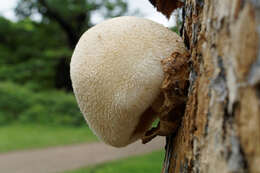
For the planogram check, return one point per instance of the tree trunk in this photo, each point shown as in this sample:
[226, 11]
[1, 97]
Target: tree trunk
[220, 129]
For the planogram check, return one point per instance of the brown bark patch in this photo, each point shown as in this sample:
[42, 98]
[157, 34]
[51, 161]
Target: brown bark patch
[166, 6]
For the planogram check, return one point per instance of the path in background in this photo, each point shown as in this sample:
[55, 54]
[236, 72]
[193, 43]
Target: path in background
[60, 159]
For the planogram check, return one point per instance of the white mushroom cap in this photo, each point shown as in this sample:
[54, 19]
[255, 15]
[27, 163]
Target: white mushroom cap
[116, 75]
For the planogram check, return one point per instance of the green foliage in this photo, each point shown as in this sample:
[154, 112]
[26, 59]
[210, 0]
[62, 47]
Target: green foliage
[29, 136]
[179, 22]
[27, 55]
[151, 163]
[34, 51]
[111, 10]
[77, 12]
[35, 56]
[175, 29]
[22, 104]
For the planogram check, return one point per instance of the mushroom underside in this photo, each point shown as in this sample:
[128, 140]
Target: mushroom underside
[169, 107]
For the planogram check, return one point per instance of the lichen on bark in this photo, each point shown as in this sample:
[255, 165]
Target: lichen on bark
[220, 129]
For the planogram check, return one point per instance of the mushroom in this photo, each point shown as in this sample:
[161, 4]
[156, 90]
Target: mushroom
[117, 74]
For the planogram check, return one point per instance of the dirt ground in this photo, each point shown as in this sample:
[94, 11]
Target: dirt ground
[58, 159]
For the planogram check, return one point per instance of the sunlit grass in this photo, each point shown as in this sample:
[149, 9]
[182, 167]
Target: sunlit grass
[31, 136]
[151, 163]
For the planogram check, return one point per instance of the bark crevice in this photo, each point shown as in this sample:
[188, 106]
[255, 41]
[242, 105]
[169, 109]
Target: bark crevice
[220, 129]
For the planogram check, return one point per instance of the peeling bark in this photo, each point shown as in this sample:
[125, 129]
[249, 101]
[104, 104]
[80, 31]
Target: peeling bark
[220, 129]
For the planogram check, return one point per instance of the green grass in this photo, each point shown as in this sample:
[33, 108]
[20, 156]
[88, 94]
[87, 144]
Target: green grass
[20, 137]
[151, 163]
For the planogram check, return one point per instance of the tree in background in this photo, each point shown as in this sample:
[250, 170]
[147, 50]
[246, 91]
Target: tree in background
[40, 50]
[35, 56]
[72, 16]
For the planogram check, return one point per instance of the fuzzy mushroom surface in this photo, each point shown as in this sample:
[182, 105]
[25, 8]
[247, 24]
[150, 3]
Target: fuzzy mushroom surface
[117, 74]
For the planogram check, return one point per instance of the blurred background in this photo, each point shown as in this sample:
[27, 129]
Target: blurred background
[37, 37]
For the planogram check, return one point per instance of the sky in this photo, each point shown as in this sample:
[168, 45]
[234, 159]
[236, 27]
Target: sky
[144, 6]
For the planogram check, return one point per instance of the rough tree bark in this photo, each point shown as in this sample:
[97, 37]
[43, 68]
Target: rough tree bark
[220, 129]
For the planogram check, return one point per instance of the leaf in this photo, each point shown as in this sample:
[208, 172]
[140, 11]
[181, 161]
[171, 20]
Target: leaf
[166, 6]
